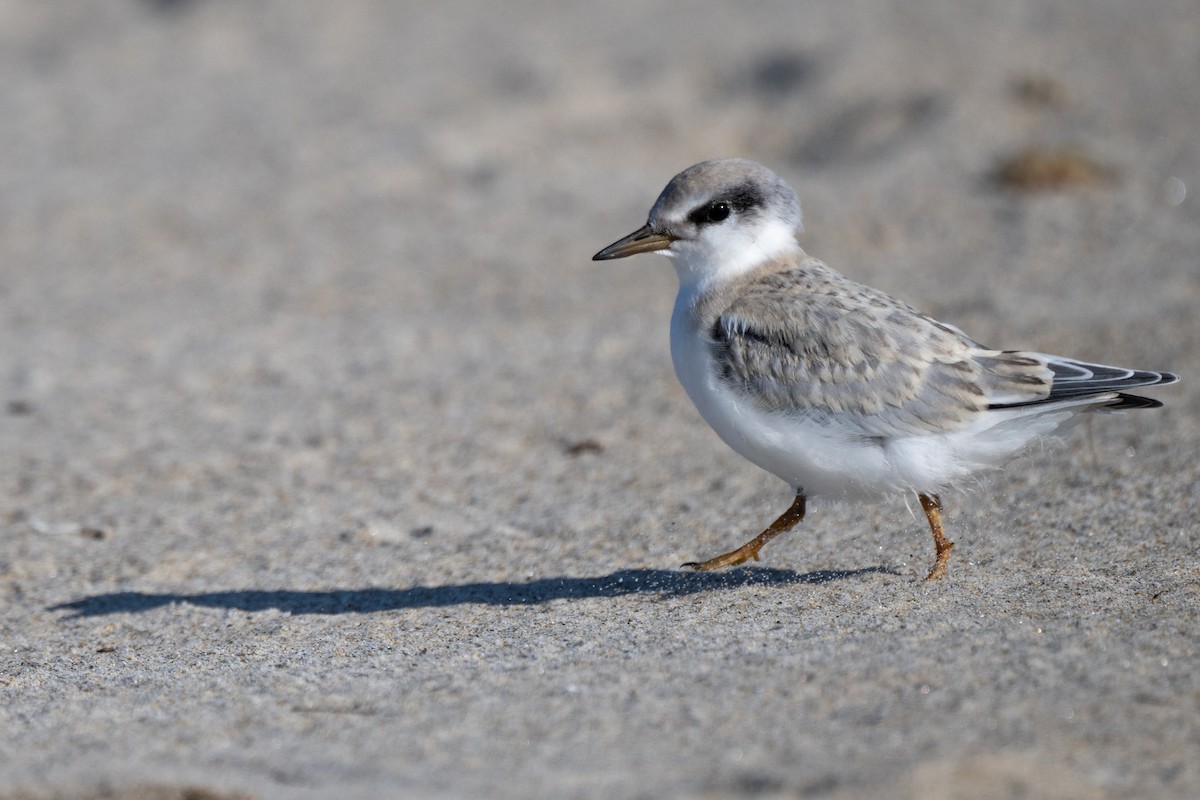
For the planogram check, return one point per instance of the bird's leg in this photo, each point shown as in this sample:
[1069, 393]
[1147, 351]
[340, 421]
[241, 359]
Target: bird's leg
[787, 520]
[933, 512]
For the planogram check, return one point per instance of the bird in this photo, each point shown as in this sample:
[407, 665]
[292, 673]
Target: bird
[839, 389]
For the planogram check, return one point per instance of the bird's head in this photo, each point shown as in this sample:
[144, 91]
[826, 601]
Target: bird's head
[716, 220]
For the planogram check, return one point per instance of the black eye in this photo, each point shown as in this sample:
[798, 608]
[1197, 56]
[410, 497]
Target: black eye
[716, 211]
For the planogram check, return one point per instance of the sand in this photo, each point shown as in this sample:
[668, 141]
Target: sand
[331, 466]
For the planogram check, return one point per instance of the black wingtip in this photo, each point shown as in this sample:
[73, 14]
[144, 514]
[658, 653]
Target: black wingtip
[1129, 402]
[1167, 378]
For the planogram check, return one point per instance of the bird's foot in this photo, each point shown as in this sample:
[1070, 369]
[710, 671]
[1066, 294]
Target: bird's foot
[943, 559]
[731, 559]
[787, 520]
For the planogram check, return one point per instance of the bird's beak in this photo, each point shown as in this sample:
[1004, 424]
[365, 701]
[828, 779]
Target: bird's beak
[643, 240]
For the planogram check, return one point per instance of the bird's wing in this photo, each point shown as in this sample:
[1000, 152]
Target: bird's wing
[1078, 380]
[810, 341]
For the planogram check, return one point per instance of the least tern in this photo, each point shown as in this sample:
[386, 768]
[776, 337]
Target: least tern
[839, 389]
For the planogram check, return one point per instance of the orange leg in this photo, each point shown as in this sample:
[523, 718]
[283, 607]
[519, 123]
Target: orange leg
[749, 550]
[933, 512]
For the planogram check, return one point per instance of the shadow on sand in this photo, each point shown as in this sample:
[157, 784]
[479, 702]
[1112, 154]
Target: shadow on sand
[505, 593]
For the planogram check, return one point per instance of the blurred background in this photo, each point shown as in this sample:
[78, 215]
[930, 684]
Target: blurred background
[297, 294]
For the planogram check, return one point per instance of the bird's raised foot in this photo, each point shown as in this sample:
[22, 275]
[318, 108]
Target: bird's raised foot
[787, 520]
[731, 559]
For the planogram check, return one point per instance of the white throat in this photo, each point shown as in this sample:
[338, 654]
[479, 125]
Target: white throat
[724, 254]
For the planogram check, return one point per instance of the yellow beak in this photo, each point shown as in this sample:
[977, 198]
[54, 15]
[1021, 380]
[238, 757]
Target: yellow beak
[643, 240]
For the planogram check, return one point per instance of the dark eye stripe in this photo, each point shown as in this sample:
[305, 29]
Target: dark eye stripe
[739, 199]
[744, 197]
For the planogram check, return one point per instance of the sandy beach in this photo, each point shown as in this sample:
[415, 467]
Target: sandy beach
[332, 466]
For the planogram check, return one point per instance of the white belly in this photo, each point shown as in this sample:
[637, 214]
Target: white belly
[820, 453]
[813, 453]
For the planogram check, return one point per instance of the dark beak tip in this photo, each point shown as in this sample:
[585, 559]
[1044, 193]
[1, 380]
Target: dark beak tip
[611, 252]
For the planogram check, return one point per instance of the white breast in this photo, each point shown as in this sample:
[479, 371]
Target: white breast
[816, 456]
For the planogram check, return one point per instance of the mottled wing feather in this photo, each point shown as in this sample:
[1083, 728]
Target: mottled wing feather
[807, 340]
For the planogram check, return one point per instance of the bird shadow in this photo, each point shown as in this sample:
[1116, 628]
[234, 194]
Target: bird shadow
[666, 583]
